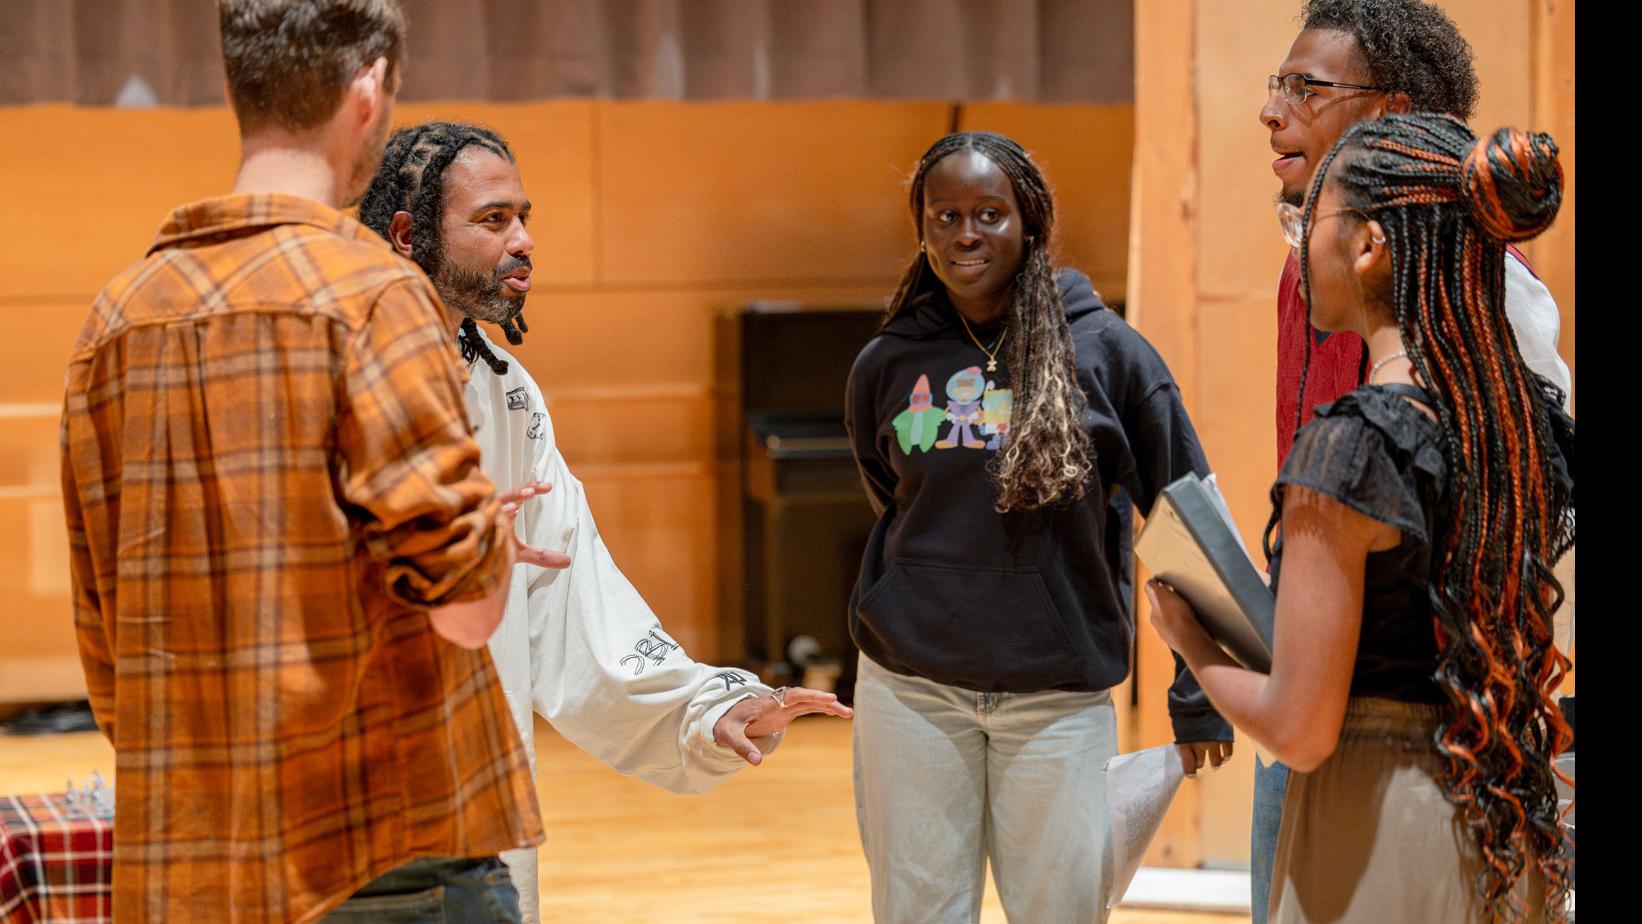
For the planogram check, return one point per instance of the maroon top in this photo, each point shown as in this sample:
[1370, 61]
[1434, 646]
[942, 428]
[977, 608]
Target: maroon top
[1336, 362]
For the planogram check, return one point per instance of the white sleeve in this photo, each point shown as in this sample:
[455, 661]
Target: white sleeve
[603, 670]
[1535, 321]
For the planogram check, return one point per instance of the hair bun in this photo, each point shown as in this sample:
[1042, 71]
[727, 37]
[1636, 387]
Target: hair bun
[1513, 183]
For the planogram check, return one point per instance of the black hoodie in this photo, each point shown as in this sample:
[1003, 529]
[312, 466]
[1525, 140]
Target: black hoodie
[955, 592]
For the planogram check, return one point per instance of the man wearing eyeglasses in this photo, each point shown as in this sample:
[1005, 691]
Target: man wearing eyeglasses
[1356, 60]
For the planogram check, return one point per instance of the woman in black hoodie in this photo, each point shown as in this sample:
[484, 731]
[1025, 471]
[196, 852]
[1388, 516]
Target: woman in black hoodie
[994, 419]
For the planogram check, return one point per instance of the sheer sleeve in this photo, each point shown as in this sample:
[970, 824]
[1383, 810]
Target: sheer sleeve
[1366, 453]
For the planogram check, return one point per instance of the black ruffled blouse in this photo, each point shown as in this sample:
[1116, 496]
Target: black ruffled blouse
[1382, 457]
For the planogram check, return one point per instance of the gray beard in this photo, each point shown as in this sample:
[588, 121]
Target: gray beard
[476, 295]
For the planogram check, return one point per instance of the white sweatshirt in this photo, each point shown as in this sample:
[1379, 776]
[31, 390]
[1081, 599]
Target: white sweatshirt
[1535, 320]
[580, 646]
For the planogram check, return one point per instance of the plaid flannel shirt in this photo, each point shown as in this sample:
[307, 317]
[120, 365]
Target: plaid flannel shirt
[269, 478]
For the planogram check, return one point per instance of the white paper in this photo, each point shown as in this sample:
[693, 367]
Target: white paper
[1139, 787]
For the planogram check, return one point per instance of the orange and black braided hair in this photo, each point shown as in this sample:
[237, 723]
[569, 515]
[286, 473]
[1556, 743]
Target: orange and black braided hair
[1047, 458]
[1449, 202]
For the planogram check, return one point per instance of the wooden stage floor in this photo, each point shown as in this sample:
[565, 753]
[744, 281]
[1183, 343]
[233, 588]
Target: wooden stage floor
[776, 843]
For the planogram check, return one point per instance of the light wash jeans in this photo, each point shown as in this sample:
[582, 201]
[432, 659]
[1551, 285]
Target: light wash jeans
[458, 890]
[1270, 781]
[947, 778]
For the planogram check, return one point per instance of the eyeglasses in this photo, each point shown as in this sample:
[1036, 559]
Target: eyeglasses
[1292, 218]
[1296, 87]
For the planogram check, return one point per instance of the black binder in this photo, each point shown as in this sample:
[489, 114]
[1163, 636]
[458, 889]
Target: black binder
[1188, 542]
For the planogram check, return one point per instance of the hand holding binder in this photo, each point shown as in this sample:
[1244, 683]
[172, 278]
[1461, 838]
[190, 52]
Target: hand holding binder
[1190, 543]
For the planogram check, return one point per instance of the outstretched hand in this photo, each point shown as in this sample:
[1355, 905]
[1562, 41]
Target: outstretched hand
[526, 554]
[764, 715]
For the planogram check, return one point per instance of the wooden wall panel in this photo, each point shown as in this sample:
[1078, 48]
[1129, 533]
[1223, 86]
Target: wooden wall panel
[28, 447]
[1553, 111]
[648, 338]
[91, 186]
[33, 362]
[39, 658]
[724, 192]
[652, 337]
[1239, 259]
[1500, 33]
[609, 426]
[1242, 248]
[1085, 153]
[1163, 305]
[1234, 416]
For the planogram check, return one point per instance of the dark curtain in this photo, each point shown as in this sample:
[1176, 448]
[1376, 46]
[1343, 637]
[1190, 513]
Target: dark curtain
[165, 52]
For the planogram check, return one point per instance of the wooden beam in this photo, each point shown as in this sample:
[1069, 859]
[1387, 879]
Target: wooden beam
[1163, 306]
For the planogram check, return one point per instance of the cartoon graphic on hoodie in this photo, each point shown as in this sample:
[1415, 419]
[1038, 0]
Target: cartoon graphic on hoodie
[931, 507]
[996, 406]
[963, 408]
[919, 423]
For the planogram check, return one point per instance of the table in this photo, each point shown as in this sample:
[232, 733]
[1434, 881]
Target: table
[55, 862]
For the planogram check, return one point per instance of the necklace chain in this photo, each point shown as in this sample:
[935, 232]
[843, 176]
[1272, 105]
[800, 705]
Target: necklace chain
[992, 354]
[1400, 354]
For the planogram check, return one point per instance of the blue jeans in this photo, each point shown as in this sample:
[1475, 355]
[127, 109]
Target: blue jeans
[1269, 783]
[461, 890]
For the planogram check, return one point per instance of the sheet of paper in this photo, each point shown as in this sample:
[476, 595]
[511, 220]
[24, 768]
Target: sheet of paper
[1139, 787]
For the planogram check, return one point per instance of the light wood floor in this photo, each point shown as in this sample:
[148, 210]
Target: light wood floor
[776, 843]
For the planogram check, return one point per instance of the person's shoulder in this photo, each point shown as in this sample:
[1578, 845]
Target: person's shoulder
[113, 306]
[1523, 285]
[347, 273]
[1110, 348]
[366, 261]
[1394, 424]
[1371, 403]
[878, 352]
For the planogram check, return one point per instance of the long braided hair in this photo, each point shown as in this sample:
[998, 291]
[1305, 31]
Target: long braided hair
[412, 179]
[1046, 460]
[1449, 202]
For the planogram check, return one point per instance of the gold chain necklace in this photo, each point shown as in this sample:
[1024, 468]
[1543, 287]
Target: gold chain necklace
[992, 354]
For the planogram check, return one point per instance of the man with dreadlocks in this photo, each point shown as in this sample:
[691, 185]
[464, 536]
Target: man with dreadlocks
[1353, 61]
[579, 646]
[993, 606]
[1417, 521]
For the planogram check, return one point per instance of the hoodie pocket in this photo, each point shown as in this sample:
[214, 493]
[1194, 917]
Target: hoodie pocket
[977, 628]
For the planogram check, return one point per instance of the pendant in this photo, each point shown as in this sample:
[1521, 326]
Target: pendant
[992, 365]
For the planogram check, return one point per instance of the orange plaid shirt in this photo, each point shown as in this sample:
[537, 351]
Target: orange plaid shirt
[269, 478]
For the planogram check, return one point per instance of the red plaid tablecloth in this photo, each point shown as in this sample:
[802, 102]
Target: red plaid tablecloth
[55, 864]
